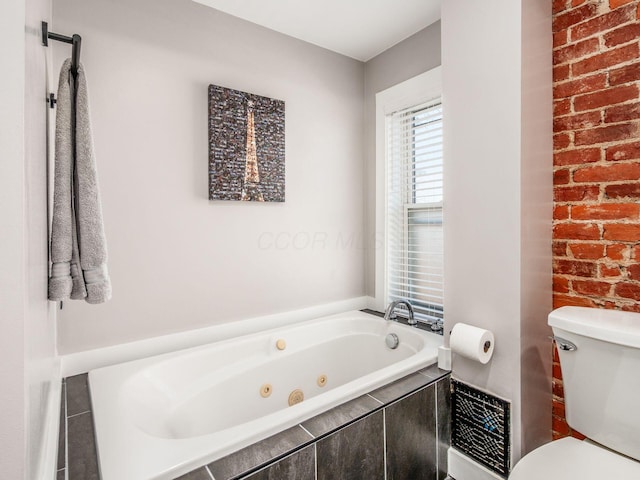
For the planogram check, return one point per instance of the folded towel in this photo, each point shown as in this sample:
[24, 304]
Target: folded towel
[60, 282]
[78, 243]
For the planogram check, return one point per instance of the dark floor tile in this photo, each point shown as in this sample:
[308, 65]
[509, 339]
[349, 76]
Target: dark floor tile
[355, 452]
[411, 436]
[340, 415]
[83, 461]
[443, 403]
[393, 391]
[432, 371]
[62, 432]
[60, 475]
[199, 474]
[299, 466]
[259, 454]
[77, 395]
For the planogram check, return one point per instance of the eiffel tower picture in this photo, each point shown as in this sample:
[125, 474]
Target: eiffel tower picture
[251, 185]
[246, 146]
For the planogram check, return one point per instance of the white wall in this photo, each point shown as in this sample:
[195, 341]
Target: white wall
[28, 367]
[42, 366]
[12, 277]
[409, 58]
[496, 60]
[177, 260]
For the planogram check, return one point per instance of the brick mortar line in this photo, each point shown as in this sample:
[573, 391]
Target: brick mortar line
[602, 8]
[602, 109]
[600, 51]
[599, 35]
[608, 69]
[612, 143]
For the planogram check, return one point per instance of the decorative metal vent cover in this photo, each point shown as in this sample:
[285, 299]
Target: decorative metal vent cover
[480, 427]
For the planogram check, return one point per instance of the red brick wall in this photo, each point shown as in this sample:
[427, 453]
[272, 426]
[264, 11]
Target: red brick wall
[596, 233]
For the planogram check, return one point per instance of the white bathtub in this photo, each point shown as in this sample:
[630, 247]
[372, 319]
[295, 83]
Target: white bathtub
[163, 416]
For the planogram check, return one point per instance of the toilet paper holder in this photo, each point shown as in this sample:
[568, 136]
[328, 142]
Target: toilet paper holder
[472, 342]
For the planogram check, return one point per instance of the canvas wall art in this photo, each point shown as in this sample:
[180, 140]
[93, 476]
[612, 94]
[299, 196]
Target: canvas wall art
[246, 146]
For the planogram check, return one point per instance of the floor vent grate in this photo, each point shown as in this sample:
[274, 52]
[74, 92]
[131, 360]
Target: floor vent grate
[480, 427]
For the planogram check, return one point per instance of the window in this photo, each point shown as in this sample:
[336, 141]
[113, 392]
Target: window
[414, 208]
[410, 265]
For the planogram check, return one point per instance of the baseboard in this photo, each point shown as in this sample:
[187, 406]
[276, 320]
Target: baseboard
[48, 460]
[75, 363]
[462, 467]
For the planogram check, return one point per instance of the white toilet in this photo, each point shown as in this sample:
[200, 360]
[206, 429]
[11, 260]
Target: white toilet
[600, 359]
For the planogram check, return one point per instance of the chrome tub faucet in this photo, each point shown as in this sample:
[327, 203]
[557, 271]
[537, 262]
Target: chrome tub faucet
[391, 315]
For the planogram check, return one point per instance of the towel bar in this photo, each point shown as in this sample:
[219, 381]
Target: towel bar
[75, 40]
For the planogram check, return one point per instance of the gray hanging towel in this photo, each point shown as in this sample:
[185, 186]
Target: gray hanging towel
[78, 243]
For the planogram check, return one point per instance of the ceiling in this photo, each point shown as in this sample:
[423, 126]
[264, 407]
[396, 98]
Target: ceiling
[360, 29]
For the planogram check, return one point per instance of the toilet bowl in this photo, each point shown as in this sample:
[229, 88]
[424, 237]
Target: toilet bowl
[599, 354]
[573, 459]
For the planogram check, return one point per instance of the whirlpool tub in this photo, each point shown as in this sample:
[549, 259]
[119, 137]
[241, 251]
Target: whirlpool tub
[162, 416]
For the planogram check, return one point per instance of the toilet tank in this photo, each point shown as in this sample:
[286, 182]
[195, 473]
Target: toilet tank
[601, 377]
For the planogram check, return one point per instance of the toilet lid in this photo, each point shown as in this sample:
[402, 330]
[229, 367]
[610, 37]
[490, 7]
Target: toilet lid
[572, 459]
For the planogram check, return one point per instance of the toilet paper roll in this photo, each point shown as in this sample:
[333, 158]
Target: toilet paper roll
[472, 342]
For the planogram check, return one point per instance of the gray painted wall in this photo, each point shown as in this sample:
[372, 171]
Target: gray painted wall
[178, 261]
[498, 149]
[413, 56]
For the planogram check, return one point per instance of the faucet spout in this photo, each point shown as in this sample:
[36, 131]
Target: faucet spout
[391, 315]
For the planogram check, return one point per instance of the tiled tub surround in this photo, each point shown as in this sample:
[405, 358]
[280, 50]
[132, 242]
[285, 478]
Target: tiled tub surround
[401, 430]
[76, 441]
[162, 416]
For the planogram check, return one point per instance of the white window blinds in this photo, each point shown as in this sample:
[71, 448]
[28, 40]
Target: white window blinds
[414, 254]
